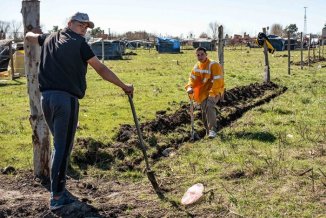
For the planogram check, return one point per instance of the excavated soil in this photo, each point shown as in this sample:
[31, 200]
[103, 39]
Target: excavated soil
[21, 195]
[311, 61]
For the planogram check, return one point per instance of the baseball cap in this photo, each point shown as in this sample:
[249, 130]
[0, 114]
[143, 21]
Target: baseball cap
[82, 17]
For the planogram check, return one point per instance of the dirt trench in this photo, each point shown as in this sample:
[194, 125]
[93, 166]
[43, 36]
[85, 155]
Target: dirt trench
[24, 196]
[165, 134]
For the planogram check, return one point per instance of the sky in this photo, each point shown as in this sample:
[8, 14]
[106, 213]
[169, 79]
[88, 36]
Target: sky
[176, 17]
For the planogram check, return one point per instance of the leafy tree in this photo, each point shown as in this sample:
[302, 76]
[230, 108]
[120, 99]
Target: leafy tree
[94, 32]
[292, 28]
[55, 29]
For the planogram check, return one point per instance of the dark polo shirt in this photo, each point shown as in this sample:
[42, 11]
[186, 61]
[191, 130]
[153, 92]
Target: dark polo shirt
[63, 64]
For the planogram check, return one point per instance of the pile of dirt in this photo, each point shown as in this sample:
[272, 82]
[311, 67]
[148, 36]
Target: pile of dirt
[311, 61]
[165, 134]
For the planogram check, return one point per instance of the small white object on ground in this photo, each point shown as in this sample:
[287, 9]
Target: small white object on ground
[289, 136]
[193, 194]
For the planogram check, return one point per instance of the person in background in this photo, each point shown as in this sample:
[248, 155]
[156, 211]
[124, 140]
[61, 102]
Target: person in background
[206, 87]
[65, 56]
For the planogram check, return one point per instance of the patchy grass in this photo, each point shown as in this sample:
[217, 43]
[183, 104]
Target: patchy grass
[269, 163]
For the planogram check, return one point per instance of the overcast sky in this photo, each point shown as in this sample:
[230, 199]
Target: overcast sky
[177, 18]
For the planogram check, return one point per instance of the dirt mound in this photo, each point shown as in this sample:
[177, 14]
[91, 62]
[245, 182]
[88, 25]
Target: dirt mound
[165, 134]
[311, 61]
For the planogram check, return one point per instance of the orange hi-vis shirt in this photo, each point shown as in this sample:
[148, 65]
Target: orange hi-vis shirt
[206, 79]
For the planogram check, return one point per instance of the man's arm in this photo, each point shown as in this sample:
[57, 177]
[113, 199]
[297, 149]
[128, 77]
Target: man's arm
[217, 89]
[32, 37]
[108, 75]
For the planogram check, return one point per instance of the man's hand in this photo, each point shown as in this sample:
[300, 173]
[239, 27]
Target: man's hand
[128, 89]
[190, 90]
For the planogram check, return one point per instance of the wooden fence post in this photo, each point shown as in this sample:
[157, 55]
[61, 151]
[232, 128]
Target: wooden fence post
[11, 61]
[323, 47]
[221, 46]
[289, 53]
[40, 132]
[309, 44]
[103, 51]
[301, 49]
[319, 48]
[267, 77]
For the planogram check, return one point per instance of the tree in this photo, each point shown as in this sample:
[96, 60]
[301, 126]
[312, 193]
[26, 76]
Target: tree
[292, 28]
[203, 35]
[96, 31]
[190, 35]
[4, 28]
[213, 26]
[54, 29]
[276, 29]
[16, 31]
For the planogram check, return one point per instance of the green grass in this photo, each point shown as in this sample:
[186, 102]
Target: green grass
[271, 144]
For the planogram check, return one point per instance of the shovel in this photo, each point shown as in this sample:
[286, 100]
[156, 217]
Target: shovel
[193, 135]
[150, 173]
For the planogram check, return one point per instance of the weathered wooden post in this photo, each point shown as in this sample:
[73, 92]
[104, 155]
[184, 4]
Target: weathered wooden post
[289, 53]
[309, 44]
[314, 53]
[11, 61]
[267, 76]
[301, 49]
[319, 47]
[221, 46]
[323, 47]
[40, 132]
[103, 51]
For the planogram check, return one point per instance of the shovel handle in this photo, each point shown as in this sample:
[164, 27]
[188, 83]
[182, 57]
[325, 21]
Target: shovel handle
[138, 131]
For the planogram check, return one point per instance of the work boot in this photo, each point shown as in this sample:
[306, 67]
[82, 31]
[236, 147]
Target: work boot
[211, 134]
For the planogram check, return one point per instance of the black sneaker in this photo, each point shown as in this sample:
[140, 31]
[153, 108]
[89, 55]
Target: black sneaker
[62, 201]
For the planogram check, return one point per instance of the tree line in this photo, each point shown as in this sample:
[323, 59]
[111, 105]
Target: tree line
[12, 29]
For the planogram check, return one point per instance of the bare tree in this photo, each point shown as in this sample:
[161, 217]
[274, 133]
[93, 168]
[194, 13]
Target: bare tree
[4, 28]
[203, 35]
[276, 29]
[213, 27]
[16, 30]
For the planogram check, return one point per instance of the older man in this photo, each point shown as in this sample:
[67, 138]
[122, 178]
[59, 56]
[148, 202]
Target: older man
[62, 78]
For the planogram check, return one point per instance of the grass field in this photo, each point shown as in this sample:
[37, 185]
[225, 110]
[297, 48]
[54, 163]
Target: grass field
[269, 163]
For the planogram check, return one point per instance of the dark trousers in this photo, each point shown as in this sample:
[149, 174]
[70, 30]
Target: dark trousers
[60, 110]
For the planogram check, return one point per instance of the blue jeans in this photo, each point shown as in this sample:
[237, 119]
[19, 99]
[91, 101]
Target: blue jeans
[60, 110]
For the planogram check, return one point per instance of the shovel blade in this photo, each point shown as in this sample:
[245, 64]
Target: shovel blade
[152, 179]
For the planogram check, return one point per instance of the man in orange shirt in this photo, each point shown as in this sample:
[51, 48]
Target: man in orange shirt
[206, 87]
